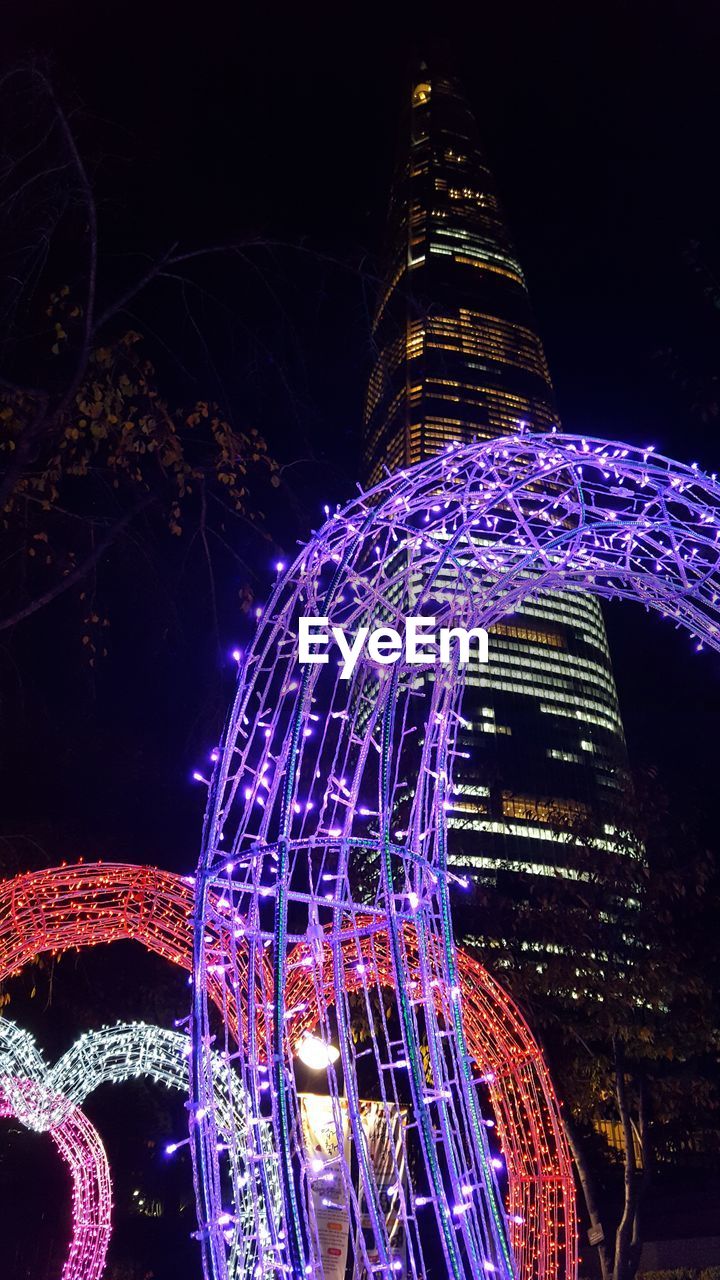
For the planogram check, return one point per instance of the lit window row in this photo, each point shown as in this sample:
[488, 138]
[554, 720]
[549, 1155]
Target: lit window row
[473, 196]
[476, 333]
[501, 633]
[555, 608]
[591, 717]
[534, 809]
[552, 639]
[493, 826]
[597, 713]
[583, 670]
[477, 393]
[481, 862]
[474, 258]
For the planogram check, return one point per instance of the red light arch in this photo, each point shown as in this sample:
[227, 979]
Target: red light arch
[65, 908]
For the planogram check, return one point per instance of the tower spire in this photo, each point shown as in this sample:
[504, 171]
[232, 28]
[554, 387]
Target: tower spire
[454, 311]
[459, 358]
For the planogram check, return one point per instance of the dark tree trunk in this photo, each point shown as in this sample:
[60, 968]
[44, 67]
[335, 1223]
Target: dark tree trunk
[587, 1184]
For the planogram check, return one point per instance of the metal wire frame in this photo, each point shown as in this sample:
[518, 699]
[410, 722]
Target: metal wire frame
[69, 907]
[321, 777]
[83, 1152]
[42, 1097]
[541, 1199]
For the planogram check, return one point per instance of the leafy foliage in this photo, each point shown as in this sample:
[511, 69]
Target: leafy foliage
[112, 458]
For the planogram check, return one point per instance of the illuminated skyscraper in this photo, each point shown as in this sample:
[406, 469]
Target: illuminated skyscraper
[458, 359]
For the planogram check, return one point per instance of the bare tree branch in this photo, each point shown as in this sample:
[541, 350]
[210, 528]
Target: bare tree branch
[79, 572]
[91, 211]
[141, 283]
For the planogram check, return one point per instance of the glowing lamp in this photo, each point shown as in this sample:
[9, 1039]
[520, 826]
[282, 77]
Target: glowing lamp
[315, 1053]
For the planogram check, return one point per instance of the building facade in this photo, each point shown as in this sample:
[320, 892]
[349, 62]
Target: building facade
[458, 359]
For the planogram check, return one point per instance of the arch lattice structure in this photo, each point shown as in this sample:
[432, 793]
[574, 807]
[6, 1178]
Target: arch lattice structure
[47, 1098]
[91, 904]
[540, 1202]
[82, 1150]
[326, 821]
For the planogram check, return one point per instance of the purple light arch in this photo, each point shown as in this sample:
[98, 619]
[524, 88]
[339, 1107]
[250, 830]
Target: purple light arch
[326, 822]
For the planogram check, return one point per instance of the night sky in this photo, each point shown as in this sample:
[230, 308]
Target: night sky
[230, 122]
[222, 123]
[225, 125]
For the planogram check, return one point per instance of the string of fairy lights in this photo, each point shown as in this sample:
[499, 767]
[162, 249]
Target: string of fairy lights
[48, 1100]
[322, 898]
[327, 822]
[81, 1148]
[65, 908]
